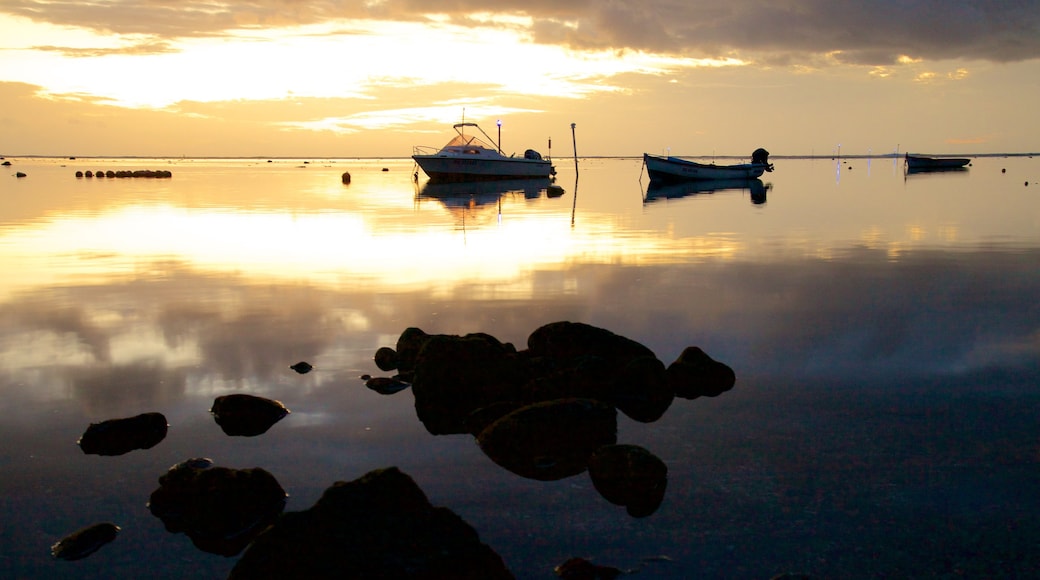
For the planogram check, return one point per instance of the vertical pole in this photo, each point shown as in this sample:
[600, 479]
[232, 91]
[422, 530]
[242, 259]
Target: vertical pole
[574, 139]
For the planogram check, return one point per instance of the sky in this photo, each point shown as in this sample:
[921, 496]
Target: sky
[374, 78]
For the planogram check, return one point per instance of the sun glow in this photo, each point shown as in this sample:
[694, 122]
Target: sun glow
[367, 57]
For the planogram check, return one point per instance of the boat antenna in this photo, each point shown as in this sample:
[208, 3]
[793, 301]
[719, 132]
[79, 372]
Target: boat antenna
[499, 123]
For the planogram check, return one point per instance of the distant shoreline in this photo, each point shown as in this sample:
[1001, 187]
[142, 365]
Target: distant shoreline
[408, 158]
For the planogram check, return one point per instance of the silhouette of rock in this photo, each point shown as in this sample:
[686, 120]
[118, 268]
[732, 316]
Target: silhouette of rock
[302, 367]
[246, 415]
[378, 526]
[386, 358]
[571, 340]
[550, 440]
[695, 374]
[85, 542]
[629, 476]
[219, 508]
[455, 375]
[119, 436]
[19, 174]
[345, 177]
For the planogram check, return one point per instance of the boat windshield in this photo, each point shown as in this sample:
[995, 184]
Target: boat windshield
[461, 140]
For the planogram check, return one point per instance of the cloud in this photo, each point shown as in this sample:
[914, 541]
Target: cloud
[874, 33]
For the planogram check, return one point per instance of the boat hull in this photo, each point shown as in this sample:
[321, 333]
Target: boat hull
[449, 168]
[675, 169]
[919, 163]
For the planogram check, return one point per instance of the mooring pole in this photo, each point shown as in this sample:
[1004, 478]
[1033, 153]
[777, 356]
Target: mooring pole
[574, 139]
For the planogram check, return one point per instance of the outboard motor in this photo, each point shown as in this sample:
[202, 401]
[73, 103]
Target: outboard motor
[760, 155]
[532, 154]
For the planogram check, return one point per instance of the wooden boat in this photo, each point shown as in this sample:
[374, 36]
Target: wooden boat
[470, 156]
[661, 168]
[922, 163]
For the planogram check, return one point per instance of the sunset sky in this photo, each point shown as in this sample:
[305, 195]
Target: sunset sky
[373, 78]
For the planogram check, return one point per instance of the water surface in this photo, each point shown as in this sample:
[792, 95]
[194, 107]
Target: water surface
[883, 327]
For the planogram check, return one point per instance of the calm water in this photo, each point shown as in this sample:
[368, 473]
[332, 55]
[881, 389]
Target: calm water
[884, 330]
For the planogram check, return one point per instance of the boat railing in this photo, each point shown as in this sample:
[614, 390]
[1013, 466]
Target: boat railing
[425, 150]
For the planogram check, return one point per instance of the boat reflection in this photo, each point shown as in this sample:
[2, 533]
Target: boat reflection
[479, 193]
[921, 171]
[658, 190]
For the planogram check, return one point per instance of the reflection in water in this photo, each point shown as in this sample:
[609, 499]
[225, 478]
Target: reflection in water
[884, 332]
[658, 190]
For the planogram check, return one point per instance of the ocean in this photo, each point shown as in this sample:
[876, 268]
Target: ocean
[883, 329]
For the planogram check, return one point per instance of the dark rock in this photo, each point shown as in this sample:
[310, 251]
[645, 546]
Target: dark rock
[629, 476]
[19, 174]
[346, 177]
[85, 542]
[80, 174]
[641, 390]
[247, 415]
[570, 340]
[302, 367]
[379, 526]
[695, 374]
[119, 436]
[550, 440]
[386, 358]
[386, 385]
[219, 508]
[409, 344]
[455, 375]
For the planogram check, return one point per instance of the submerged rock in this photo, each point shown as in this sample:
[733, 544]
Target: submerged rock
[119, 436]
[378, 526]
[219, 508]
[247, 415]
[84, 542]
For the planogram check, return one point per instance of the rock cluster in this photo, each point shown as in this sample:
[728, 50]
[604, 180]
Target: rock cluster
[550, 411]
[157, 173]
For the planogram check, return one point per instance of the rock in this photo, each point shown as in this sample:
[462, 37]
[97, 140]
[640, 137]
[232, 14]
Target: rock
[219, 508]
[19, 174]
[346, 177]
[247, 415]
[695, 374]
[378, 526]
[641, 390]
[455, 375]
[85, 542]
[571, 340]
[629, 476]
[302, 367]
[119, 436]
[386, 358]
[550, 440]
